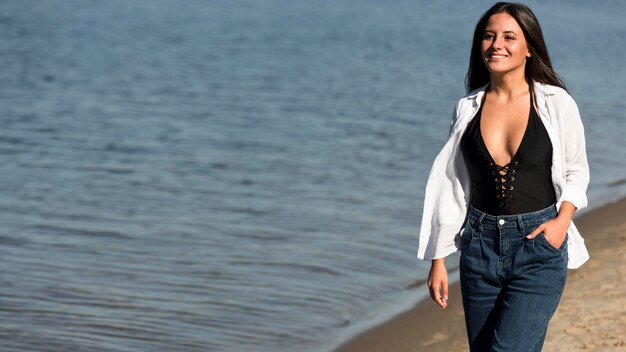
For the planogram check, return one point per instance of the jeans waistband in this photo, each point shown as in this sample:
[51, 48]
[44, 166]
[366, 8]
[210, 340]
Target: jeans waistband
[517, 220]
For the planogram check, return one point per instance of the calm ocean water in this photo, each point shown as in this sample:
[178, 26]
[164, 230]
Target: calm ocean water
[243, 175]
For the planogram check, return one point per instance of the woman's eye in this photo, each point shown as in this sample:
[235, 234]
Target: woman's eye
[487, 36]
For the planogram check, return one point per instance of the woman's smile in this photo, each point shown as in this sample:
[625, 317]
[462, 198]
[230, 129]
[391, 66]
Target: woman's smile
[496, 56]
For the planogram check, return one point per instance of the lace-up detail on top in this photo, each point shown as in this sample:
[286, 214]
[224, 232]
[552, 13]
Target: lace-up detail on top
[504, 177]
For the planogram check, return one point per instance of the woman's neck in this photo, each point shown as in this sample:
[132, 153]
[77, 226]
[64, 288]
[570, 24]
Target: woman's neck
[508, 85]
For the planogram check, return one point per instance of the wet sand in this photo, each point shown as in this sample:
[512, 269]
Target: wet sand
[590, 317]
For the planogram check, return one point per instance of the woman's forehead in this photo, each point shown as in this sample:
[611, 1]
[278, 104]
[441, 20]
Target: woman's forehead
[503, 22]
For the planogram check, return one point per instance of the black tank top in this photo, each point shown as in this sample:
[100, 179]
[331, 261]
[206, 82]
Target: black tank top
[521, 186]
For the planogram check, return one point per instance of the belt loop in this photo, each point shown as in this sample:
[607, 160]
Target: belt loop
[480, 222]
[520, 223]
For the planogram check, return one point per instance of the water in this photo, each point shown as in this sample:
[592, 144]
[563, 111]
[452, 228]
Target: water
[242, 175]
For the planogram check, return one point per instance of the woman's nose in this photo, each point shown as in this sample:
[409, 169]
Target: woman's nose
[497, 42]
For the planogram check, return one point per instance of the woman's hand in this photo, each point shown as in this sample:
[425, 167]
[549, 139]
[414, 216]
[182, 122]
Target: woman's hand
[555, 230]
[438, 281]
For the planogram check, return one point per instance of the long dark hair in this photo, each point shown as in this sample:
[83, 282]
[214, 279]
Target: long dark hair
[538, 66]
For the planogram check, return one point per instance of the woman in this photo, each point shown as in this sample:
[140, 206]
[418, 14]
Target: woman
[505, 187]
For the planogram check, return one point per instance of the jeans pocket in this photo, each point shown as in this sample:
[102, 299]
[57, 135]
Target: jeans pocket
[542, 239]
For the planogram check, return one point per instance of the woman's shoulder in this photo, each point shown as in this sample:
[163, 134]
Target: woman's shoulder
[552, 92]
[471, 97]
[475, 93]
[561, 106]
[465, 107]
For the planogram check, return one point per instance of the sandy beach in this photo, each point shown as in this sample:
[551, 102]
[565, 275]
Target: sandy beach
[590, 317]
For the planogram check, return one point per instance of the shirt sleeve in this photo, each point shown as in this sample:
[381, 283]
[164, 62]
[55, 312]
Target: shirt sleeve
[576, 165]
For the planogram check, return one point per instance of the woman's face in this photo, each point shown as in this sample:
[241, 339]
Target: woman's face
[503, 47]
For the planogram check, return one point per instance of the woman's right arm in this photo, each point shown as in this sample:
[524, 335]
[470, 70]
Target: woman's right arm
[438, 282]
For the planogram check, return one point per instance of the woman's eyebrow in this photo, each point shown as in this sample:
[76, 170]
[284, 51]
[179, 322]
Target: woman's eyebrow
[505, 32]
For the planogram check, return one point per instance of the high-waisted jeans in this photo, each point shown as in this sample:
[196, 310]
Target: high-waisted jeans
[510, 285]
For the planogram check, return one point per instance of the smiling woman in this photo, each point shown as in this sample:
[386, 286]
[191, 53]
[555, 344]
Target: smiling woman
[505, 187]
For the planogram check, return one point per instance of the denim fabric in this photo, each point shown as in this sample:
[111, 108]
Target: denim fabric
[510, 285]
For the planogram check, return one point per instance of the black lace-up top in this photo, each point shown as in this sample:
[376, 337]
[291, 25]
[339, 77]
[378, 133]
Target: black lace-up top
[521, 186]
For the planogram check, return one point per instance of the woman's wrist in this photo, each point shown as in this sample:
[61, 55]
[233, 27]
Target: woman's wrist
[439, 261]
[566, 212]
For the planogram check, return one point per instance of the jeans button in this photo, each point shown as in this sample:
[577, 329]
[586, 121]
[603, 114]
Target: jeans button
[501, 221]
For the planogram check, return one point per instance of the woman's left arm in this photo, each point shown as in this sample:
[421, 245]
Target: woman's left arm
[576, 167]
[574, 195]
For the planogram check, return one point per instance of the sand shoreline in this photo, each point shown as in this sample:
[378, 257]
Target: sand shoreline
[590, 317]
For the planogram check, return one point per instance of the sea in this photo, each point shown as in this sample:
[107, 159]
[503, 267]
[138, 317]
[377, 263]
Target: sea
[244, 175]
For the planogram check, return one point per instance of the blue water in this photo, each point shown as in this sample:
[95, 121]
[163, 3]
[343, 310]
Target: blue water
[242, 175]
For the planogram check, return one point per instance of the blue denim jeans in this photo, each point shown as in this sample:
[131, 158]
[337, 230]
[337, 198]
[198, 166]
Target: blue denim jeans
[510, 285]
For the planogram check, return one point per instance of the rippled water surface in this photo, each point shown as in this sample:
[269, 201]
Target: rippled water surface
[242, 175]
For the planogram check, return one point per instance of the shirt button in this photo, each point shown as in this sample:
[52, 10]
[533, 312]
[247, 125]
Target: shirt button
[501, 221]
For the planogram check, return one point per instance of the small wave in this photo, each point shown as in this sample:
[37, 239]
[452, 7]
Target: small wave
[11, 140]
[81, 232]
[290, 266]
[12, 241]
[617, 182]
